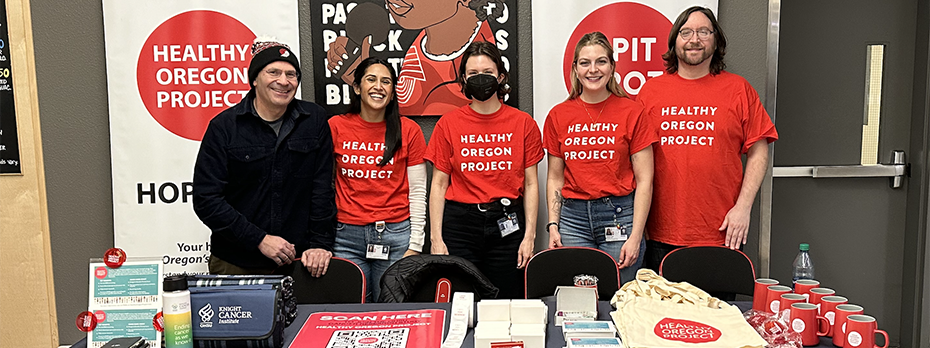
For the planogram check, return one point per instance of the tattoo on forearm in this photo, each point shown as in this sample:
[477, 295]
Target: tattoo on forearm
[557, 205]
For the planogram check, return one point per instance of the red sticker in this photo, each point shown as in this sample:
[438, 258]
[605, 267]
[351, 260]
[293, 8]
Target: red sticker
[114, 257]
[191, 67]
[159, 322]
[86, 321]
[686, 331]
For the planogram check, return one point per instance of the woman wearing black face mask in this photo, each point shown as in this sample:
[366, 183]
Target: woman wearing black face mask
[484, 195]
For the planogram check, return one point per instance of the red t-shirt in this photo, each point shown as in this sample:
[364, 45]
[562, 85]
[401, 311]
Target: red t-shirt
[704, 126]
[484, 155]
[596, 141]
[422, 73]
[366, 192]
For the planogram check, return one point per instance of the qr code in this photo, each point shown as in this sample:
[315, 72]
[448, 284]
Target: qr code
[391, 338]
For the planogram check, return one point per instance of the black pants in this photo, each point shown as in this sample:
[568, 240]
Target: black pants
[655, 252]
[475, 236]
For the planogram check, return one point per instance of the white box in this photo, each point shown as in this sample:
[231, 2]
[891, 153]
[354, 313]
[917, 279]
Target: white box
[595, 342]
[575, 303]
[494, 310]
[532, 335]
[528, 312]
[578, 329]
[491, 331]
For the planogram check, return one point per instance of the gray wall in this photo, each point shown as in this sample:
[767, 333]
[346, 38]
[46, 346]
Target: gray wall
[71, 74]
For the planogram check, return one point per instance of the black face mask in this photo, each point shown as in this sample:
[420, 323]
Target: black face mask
[481, 87]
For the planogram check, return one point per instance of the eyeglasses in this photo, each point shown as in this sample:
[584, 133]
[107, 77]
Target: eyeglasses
[702, 33]
[291, 75]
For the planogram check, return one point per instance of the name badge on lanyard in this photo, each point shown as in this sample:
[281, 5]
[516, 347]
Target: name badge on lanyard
[378, 251]
[616, 233]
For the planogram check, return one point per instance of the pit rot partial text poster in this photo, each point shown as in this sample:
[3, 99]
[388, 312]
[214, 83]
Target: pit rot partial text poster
[171, 67]
[422, 40]
[638, 31]
[397, 329]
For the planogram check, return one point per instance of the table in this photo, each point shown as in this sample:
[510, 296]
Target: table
[554, 337]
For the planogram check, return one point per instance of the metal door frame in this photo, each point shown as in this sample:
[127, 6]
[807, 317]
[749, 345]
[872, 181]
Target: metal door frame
[919, 184]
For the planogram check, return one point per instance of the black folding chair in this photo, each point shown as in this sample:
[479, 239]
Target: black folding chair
[715, 269]
[551, 268]
[343, 282]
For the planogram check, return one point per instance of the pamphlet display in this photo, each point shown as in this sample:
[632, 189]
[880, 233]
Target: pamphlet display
[124, 300]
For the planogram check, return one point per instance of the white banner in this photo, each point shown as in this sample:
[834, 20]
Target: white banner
[639, 33]
[171, 66]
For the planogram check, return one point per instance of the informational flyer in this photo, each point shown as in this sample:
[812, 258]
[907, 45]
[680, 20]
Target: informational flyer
[125, 300]
[396, 329]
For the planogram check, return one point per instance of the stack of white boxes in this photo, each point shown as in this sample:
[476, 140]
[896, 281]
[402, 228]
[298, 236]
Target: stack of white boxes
[511, 320]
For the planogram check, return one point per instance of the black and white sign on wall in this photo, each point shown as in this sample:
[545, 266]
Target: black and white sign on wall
[422, 40]
[9, 140]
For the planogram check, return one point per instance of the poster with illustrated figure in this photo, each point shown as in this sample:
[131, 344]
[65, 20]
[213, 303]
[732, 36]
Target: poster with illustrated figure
[423, 40]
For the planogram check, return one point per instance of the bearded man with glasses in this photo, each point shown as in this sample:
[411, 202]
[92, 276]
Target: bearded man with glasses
[707, 118]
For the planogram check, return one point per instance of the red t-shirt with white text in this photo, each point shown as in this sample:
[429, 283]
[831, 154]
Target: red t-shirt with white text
[366, 192]
[484, 155]
[596, 141]
[704, 125]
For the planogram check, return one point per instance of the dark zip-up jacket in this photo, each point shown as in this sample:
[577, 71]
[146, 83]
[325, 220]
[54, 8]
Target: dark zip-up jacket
[249, 182]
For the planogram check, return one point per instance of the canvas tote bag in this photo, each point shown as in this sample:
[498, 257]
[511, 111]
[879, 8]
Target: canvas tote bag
[653, 312]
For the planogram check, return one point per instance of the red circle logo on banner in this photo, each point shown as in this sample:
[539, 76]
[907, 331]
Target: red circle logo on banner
[159, 322]
[114, 257]
[638, 35]
[86, 321]
[193, 66]
[686, 331]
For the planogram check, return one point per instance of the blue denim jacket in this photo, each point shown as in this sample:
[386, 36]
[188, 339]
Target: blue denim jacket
[249, 182]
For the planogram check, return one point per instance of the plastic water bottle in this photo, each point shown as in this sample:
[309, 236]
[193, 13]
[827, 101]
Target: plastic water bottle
[803, 266]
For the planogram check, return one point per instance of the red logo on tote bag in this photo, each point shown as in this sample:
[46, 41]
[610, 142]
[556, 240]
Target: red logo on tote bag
[686, 331]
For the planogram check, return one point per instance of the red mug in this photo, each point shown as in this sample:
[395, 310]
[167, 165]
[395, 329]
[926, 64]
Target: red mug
[773, 297]
[817, 294]
[789, 299]
[759, 293]
[828, 306]
[805, 321]
[861, 330]
[804, 286]
[838, 330]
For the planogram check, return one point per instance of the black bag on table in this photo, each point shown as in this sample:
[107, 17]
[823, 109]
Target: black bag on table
[246, 316]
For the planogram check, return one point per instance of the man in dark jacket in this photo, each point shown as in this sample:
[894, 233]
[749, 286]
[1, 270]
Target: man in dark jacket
[263, 177]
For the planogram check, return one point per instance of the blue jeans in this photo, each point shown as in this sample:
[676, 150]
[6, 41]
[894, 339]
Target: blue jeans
[352, 244]
[584, 223]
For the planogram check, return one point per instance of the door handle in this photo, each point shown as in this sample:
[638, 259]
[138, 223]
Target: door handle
[897, 170]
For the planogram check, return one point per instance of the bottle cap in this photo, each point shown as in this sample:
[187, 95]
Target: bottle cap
[805, 247]
[175, 283]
